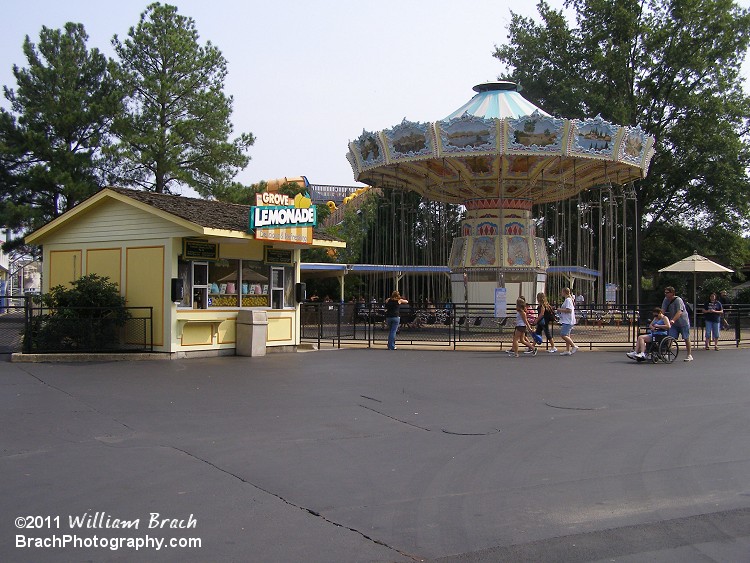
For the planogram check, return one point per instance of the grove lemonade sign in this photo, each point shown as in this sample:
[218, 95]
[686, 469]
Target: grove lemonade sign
[277, 217]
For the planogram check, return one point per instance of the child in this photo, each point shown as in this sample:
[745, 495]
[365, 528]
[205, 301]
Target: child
[659, 326]
[544, 319]
[522, 327]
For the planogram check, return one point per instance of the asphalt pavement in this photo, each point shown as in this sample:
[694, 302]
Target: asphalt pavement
[369, 455]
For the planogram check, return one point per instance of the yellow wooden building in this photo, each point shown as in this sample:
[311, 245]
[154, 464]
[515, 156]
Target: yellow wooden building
[195, 261]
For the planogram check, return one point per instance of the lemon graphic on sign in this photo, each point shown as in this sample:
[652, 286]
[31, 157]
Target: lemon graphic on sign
[302, 202]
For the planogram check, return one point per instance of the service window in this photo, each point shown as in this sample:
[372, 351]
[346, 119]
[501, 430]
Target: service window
[200, 285]
[239, 283]
[229, 283]
[277, 288]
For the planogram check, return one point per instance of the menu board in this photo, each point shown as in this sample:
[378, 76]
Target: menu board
[277, 256]
[196, 249]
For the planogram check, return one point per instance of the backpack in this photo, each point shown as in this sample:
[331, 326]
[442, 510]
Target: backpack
[688, 309]
[549, 316]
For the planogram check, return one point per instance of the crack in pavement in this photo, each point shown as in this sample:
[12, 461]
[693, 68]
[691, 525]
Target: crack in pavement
[290, 503]
[575, 408]
[394, 418]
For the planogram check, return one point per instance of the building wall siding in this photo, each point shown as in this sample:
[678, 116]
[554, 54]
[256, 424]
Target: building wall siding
[114, 220]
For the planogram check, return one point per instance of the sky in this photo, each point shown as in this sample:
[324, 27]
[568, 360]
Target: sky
[308, 77]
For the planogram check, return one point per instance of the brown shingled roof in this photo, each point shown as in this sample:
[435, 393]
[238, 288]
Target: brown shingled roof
[204, 212]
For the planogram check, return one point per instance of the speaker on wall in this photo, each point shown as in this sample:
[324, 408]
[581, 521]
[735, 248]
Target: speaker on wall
[300, 292]
[178, 290]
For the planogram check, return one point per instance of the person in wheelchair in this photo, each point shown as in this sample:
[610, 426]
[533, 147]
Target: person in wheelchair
[659, 326]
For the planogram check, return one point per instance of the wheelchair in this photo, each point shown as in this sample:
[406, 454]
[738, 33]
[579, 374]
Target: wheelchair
[662, 348]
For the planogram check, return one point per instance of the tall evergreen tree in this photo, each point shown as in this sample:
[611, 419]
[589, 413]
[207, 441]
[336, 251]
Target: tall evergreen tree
[670, 66]
[176, 131]
[51, 140]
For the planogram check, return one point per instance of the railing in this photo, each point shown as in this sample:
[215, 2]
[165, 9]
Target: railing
[463, 325]
[87, 329]
[12, 322]
[321, 193]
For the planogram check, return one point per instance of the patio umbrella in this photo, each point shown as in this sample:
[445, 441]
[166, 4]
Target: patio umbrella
[248, 275]
[696, 264]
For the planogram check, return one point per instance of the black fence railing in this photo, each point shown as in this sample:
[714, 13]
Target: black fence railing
[12, 322]
[86, 329]
[455, 325]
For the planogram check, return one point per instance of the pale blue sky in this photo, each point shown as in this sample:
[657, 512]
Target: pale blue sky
[308, 77]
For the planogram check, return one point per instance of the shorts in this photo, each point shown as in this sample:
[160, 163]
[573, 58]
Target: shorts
[712, 330]
[565, 329]
[677, 331]
[521, 329]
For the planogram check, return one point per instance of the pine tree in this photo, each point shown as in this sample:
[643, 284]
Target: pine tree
[177, 126]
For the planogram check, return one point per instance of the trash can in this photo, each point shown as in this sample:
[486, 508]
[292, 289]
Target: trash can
[252, 329]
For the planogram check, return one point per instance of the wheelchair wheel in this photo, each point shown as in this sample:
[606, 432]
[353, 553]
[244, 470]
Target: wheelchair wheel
[669, 349]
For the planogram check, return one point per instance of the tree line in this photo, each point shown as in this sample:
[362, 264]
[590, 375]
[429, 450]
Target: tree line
[672, 67]
[156, 118]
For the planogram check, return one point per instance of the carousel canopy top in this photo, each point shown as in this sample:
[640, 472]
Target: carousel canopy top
[498, 100]
[500, 145]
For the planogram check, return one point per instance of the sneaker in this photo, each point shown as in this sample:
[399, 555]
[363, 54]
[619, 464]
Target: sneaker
[632, 355]
[531, 351]
[566, 353]
[552, 351]
[688, 359]
[511, 353]
[642, 355]
[574, 350]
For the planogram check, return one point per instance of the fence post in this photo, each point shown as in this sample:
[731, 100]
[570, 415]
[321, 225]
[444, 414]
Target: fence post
[320, 322]
[737, 332]
[338, 321]
[26, 347]
[151, 328]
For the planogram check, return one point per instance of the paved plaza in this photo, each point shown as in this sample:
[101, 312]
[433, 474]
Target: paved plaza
[374, 456]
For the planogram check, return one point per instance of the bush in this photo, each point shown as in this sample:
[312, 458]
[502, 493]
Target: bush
[743, 296]
[86, 316]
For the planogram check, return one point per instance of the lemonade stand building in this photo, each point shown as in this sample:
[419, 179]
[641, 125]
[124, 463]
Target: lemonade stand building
[196, 262]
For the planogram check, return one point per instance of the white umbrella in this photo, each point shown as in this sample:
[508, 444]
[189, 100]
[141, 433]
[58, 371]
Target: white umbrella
[696, 264]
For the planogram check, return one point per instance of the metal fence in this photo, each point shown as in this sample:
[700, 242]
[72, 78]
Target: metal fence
[86, 329]
[12, 322]
[454, 326]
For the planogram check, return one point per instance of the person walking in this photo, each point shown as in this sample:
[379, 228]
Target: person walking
[713, 312]
[521, 329]
[567, 321]
[544, 319]
[393, 317]
[674, 308]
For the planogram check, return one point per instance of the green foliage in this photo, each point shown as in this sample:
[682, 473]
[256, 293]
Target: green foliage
[51, 142]
[716, 285]
[96, 295]
[238, 193]
[357, 225]
[177, 128]
[668, 243]
[86, 316]
[671, 67]
[743, 296]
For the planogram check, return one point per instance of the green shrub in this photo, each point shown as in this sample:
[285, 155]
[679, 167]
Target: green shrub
[86, 316]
